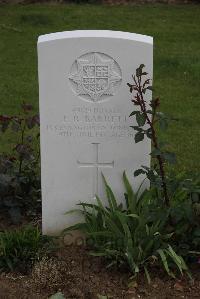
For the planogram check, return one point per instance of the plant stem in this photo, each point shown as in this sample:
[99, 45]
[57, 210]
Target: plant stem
[154, 139]
[23, 127]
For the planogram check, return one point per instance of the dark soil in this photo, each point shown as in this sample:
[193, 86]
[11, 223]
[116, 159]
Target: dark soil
[80, 276]
[7, 224]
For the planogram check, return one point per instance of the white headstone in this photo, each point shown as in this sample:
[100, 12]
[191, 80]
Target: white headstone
[84, 111]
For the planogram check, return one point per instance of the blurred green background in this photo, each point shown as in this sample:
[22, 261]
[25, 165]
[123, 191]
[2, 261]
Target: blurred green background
[176, 32]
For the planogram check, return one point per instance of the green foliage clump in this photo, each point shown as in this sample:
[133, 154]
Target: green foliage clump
[180, 195]
[157, 226]
[184, 211]
[20, 248]
[85, 1]
[58, 295]
[134, 234]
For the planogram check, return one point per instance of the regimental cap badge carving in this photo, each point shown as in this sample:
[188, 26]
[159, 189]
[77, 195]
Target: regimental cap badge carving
[95, 76]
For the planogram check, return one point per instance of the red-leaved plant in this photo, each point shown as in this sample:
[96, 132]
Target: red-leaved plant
[147, 117]
[19, 170]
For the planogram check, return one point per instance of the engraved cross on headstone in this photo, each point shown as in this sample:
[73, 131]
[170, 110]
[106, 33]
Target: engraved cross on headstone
[96, 165]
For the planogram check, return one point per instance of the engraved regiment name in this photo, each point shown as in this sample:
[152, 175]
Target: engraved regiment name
[97, 122]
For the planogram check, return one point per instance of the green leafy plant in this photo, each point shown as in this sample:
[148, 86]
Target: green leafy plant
[84, 1]
[58, 295]
[185, 215]
[133, 234]
[102, 297]
[157, 226]
[180, 195]
[20, 248]
[19, 170]
[147, 117]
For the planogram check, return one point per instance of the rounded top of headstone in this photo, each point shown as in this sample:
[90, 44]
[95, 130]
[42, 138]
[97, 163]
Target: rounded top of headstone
[95, 33]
